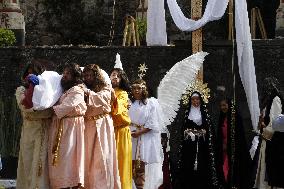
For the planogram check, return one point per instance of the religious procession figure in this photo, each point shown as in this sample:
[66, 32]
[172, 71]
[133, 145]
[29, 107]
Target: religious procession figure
[198, 163]
[147, 122]
[66, 151]
[101, 167]
[32, 169]
[233, 160]
[270, 155]
[121, 122]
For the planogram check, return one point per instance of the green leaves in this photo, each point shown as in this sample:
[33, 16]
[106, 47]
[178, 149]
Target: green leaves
[142, 28]
[7, 37]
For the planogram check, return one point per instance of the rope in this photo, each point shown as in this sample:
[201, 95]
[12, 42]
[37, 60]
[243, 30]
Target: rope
[111, 32]
[233, 111]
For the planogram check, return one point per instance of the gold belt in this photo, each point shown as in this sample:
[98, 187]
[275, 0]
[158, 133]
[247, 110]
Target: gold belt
[56, 146]
[96, 117]
[29, 118]
[137, 126]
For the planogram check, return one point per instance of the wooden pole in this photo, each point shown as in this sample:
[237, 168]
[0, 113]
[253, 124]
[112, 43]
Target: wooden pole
[125, 32]
[230, 12]
[196, 13]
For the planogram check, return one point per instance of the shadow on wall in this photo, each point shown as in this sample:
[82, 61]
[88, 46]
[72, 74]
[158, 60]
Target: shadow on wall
[9, 167]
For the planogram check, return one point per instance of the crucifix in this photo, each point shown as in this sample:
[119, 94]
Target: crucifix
[196, 36]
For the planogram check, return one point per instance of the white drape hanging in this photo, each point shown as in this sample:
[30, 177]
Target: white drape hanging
[214, 10]
[156, 23]
[246, 59]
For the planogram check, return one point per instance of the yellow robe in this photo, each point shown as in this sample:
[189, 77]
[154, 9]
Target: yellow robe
[121, 122]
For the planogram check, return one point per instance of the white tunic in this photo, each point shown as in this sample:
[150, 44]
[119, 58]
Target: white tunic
[151, 116]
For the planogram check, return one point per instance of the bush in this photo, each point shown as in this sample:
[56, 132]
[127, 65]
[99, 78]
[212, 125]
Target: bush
[142, 28]
[7, 37]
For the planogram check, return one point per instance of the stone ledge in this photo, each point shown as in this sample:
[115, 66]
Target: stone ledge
[178, 44]
[5, 183]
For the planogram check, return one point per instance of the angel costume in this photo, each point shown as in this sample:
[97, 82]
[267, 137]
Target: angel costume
[32, 169]
[147, 148]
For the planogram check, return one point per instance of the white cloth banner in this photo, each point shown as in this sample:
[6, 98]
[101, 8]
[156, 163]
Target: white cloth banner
[156, 24]
[246, 59]
[214, 10]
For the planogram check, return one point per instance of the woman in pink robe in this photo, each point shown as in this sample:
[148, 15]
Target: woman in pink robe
[67, 170]
[101, 169]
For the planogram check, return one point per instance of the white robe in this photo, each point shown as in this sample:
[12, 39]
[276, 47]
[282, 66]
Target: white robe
[33, 147]
[151, 116]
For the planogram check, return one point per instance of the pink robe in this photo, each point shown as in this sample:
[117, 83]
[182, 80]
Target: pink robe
[225, 153]
[69, 170]
[101, 168]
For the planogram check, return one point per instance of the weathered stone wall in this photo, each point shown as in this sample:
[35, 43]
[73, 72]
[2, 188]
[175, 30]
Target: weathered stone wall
[269, 61]
[57, 22]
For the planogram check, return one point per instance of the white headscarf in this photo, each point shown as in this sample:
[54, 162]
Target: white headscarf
[195, 113]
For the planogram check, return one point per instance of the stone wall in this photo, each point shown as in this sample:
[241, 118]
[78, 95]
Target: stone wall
[269, 61]
[58, 22]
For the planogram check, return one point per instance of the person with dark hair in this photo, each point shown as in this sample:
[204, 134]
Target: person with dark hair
[198, 163]
[233, 159]
[270, 158]
[121, 122]
[30, 80]
[32, 171]
[147, 122]
[100, 157]
[66, 137]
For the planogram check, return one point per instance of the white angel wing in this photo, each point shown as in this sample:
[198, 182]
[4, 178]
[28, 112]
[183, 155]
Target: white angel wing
[174, 84]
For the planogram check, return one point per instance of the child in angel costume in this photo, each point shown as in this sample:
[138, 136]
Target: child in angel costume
[146, 125]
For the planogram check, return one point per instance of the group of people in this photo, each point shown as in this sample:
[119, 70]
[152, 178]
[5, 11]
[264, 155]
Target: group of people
[104, 133]
[95, 136]
[223, 160]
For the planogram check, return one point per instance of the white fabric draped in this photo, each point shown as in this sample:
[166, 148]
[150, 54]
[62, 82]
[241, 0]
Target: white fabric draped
[49, 90]
[156, 23]
[246, 59]
[214, 10]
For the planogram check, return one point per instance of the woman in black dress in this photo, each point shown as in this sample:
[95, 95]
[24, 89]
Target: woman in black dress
[198, 166]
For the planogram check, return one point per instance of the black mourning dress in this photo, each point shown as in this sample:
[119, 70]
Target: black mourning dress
[202, 175]
[239, 161]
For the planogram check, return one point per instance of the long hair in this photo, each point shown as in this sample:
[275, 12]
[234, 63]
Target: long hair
[99, 81]
[228, 114]
[37, 67]
[76, 72]
[124, 82]
[271, 90]
[144, 91]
